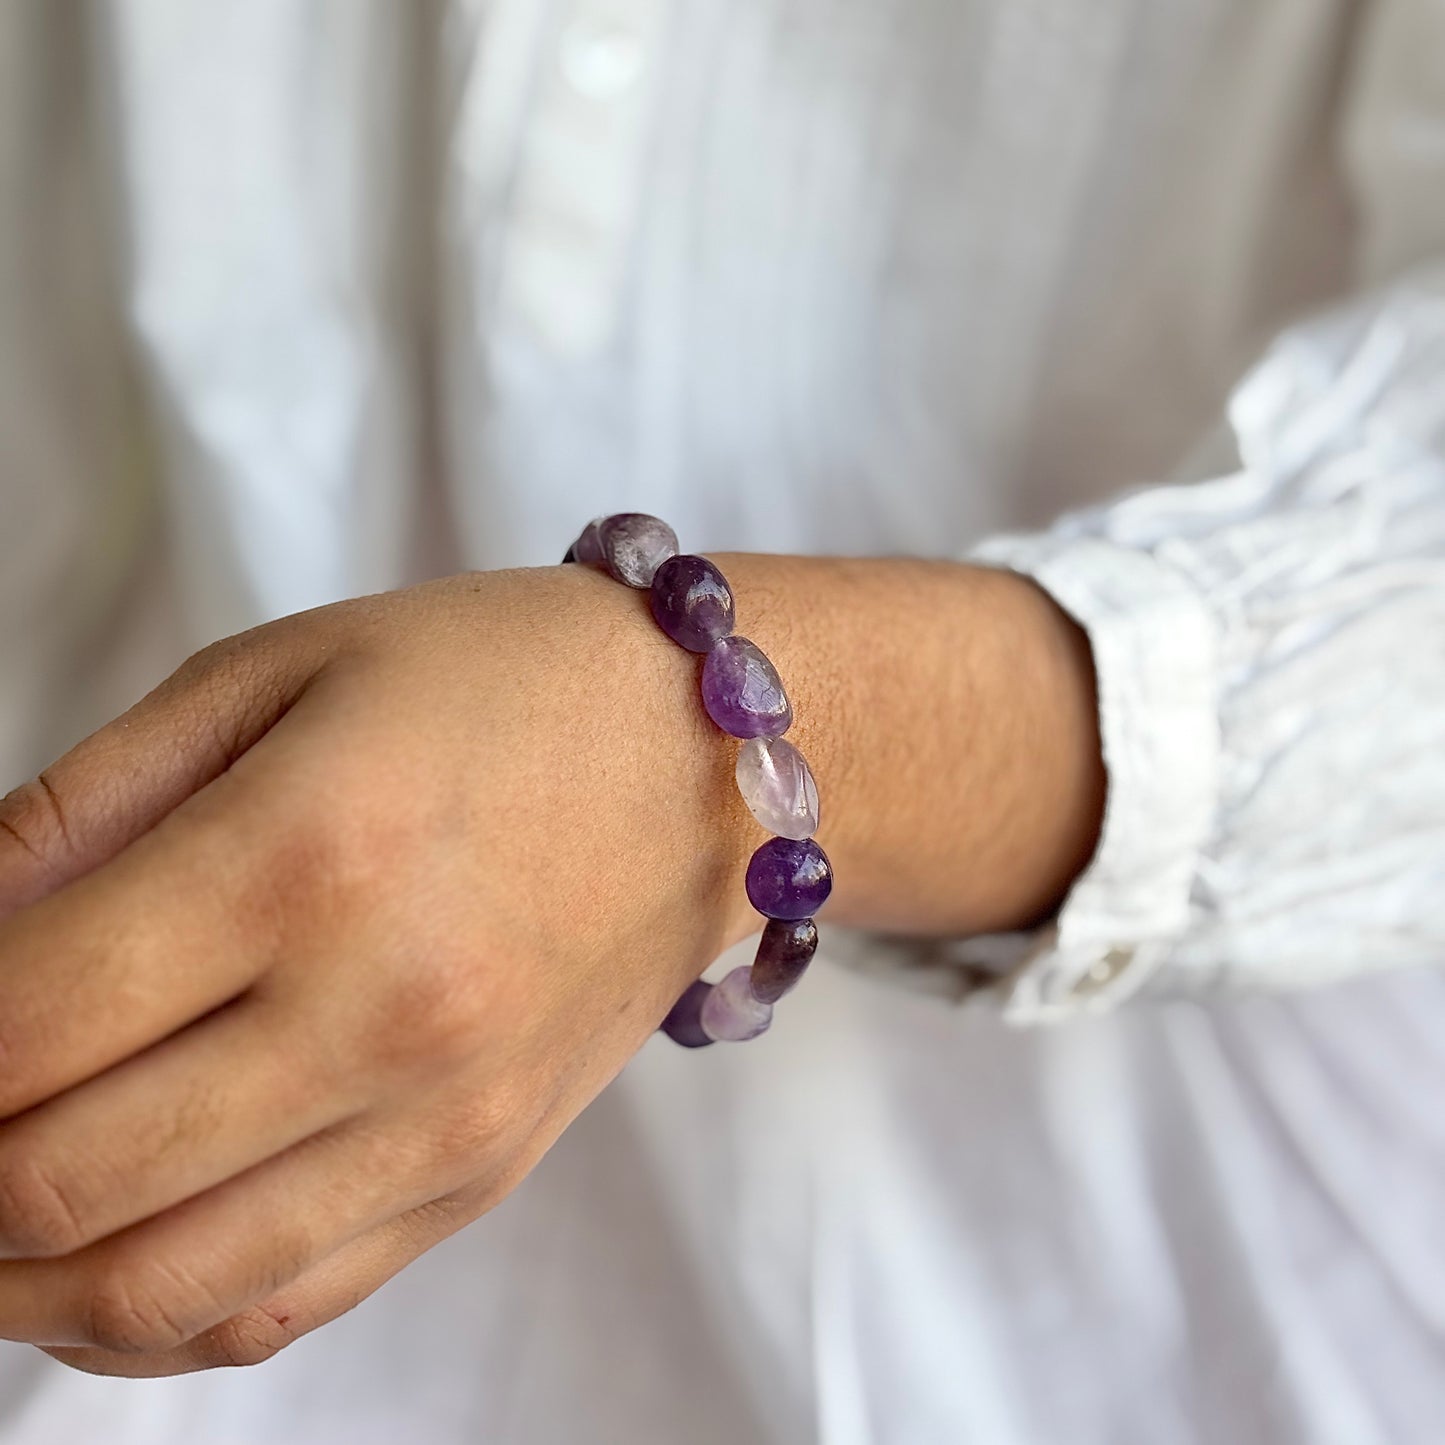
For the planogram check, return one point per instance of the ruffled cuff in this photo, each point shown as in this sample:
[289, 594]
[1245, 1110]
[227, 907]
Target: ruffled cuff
[1156, 658]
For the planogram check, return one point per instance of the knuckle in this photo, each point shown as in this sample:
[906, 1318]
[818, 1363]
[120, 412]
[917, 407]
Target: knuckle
[39, 1215]
[33, 819]
[484, 1136]
[249, 1338]
[222, 699]
[329, 868]
[237, 692]
[128, 1322]
[146, 1310]
[435, 1020]
[447, 1004]
[234, 662]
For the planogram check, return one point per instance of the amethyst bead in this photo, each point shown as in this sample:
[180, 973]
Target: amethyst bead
[731, 1014]
[588, 547]
[786, 949]
[789, 878]
[742, 691]
[634, 545]
[777, 785]
[683, 1024]
[692, 602]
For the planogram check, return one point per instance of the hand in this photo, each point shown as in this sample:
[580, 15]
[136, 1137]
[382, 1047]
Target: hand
[311, 956]
[306, 960]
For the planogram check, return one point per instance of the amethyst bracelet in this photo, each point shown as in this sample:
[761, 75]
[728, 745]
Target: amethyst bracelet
[789, 877]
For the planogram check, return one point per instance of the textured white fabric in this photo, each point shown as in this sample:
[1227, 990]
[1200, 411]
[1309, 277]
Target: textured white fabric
[1271, 655]
[301, 297]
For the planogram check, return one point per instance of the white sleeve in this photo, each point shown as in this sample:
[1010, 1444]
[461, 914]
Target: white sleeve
[1270, 645]
[1270, 649]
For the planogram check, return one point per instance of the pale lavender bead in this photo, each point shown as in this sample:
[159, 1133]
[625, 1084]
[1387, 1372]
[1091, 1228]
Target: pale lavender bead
[731, 1014]
[742, 691]
[777, 785]
[634, 545]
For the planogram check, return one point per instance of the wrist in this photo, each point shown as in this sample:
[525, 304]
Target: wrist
[662, 759]
[949, 715]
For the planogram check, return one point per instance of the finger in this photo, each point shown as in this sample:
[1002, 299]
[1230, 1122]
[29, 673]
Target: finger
[335, 1283]
[223, 1095]
[159, 1284]
[323, 1293]
[103, 794]
[184, 920]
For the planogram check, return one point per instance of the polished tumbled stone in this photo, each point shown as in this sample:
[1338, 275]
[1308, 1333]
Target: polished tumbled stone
[731, 1014]
[635, 545]
[692, 602]
[742, 691]
[588, 546]
[789, 878]
[683, 1024]
[784, 952]
[777, 785]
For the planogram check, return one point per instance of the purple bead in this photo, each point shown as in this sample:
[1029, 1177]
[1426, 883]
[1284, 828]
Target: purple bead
[588, 547]
[634, 545]
[786, 948]
[789, 878]
[730, 1013]
[742, 691]
[683, 1024]
[692, 602]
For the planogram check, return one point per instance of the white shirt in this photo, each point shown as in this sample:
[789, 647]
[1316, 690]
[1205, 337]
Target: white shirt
[843, 276]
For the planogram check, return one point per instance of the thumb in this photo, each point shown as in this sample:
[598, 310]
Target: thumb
[121, 781]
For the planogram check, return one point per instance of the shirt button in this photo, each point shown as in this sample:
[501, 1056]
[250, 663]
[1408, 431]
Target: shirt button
[600, 60]
[1104, 970]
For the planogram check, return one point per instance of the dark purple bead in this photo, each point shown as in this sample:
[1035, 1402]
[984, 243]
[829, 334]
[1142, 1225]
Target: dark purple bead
[789, 878]
[681, 1024]
[692, 602]
[588, 547]
[785, 950]
[589, 544]
[742, 691]
[635, 545]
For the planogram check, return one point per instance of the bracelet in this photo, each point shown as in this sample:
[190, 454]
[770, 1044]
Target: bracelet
[788, 877]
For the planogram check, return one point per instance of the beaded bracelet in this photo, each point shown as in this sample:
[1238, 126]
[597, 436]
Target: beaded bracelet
[789, 877]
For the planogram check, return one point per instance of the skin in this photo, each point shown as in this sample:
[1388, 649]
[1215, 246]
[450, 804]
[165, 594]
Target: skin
[307, 959]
